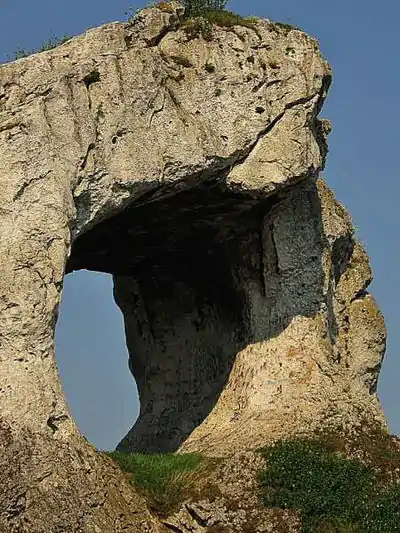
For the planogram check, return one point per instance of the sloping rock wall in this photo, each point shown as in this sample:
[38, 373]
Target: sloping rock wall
[242, 288]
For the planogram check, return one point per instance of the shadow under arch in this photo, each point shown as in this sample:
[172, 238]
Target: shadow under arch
[198, 277]
[92, 359]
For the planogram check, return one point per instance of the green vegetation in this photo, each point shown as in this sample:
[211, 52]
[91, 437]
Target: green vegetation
[335, 484]
[163, 478]
[198, 27]
[383, 516]
[47, 45]
[332, 493]
[196, 8]
[285, 26]
[201, 15]
[201, 26]
[228, 19]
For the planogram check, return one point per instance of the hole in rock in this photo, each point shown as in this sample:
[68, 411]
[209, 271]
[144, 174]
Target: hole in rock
[92, 360]
[195, 277]
[93, 77]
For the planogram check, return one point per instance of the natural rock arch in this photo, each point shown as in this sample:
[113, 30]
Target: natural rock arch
[233, 324]
[118, 156]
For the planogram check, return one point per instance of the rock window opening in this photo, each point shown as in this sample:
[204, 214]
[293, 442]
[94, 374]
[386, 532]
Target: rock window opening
[175, 261]
[208, 279]
[93, 361]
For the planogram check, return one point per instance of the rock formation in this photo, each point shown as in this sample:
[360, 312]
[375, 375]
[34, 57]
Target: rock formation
[189, 169]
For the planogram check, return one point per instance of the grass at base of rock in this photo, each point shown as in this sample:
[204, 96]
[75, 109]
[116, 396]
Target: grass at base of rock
[164, 479]
[332, 492]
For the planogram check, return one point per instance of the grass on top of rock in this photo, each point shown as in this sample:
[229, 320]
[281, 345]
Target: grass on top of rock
[215, 12]
[47, 45]
[332, 492]
[225, 18]
[202, 25]
[286, 27]
[201, 15]
[165, 479]
[195, 8]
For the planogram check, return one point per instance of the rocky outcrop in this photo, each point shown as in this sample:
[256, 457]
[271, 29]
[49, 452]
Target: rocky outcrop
[188, 169]
[228, 500]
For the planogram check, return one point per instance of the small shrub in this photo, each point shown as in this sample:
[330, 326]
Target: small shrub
[161, 477]
[228, 19]
[200, 15]
[285, 26]
[252, 19]
[383, 515]
[201, 26]
[302, 475]
[20, 53]
[53, 42]
[195, 8]
[332, 493]
[198, 27]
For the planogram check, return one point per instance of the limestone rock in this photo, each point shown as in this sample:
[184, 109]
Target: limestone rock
[234, 503]
[242, 287]
[256, 336]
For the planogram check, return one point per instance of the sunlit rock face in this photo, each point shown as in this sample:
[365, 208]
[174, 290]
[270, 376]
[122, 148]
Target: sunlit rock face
[242, 288]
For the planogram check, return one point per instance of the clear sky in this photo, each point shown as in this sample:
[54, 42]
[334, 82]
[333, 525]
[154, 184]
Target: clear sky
[360, 40]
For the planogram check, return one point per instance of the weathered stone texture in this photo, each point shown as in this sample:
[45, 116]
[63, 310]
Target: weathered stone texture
[243, 290]
[233, 503]
[273, 335]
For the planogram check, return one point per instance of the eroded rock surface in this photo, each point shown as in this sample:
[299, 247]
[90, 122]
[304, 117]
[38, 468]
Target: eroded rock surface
[228, 501]
[269, 332]
[242, 287]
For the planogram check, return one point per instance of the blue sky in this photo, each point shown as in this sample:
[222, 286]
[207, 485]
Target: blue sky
[360, 40]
